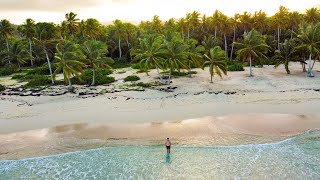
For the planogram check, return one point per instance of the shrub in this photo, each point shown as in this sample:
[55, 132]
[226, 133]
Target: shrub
[2, 87]
[235, 67]
[145, 85]
[19, 76]
[42, 70]
[8, 70]
[178, 74]
[100, 78]
[38, 80]
[135, 66]
[131, 78]
[104, 71]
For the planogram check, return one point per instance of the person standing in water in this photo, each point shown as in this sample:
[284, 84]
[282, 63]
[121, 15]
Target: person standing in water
[168, 145]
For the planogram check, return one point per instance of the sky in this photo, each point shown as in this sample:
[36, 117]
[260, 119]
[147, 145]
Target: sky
[136, 10]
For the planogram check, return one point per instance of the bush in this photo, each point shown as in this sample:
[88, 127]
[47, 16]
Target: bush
[38, 80]
[104, 71]
[235, 67]
[2, 87]
[8, 69]
[135, 66]
[86, 77]
[19, 76]
[178, 74]
[131, 78]
[42, 70]
[145, 85]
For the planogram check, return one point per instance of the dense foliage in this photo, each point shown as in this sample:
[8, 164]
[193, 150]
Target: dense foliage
[75, 45]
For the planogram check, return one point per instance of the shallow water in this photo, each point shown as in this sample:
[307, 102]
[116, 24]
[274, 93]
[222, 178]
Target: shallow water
[294, 158]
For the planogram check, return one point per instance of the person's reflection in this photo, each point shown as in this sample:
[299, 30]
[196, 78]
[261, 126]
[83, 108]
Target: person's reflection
[168, 158]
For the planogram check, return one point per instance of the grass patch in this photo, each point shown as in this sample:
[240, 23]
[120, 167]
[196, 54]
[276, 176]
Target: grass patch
[131, 78]
[38, 80]
[2, 87]
[86, 77]
[146, 85]
[177, 73]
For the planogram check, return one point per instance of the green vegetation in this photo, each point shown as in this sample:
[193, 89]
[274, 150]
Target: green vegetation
[178, 74]
[86, 78]
[83, 49]
[131, 78]
[37, 81]
[2, 87]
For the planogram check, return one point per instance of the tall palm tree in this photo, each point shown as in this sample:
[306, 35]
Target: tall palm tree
[216, 60]
[195, 54]
[45, 37]
[280, 19]
[176, 55]
[295, 18]
[150, 53]
[68, 60]
[72, 23]
[95, 52]
[92, 28]
[312, 15]
[17, 54]
[28, 31]
[119, 33]
[6, 31]
[286, 54]
[309, 37]
[253, 47]
[245, 20]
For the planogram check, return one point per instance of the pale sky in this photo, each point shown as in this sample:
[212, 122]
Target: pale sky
[136, 10]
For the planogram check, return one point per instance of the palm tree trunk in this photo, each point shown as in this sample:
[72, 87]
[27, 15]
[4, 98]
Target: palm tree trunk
[161, 80]
[7, 42]
[279, 38]
[93, 76]
[250, 67]
[49, 64]
[169, 76]
[129, 49]
[291, 33]
[120, 52]
[182, 34]
[70, 84]
[234, 39]
[211, 79]
[215, 32]
[188, 33]
[30, 49]
[225, 44]
[286, 65]
[310, 73]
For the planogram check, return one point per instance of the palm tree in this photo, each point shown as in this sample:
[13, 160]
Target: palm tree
[216, 62]
[286, 54]
[312, 16]
[245, 20]
[150, 53]
[309, 38]
[92, 29]
[119, 33]
[68, 60]
[45, 36]
[195, 56]
[280, 19]
[95, 52]
[17, 54]
[253, 47]
[6, 30]
[295, 18]
[28, 31]
[176, 55]
[71, 23]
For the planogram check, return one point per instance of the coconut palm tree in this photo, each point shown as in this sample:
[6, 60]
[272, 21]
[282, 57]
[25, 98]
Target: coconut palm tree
[17, 54]
[6, 31]
[95, 52]
[195, 54]
[150, 53]
[286, 54]
[71, 23]
[253, 47]
[45, 37]
[309, 38]
[176, 55]
[216, 60]
[312, 15]
[119, 33]
[280, 19]
[68, 60]
[28, 30]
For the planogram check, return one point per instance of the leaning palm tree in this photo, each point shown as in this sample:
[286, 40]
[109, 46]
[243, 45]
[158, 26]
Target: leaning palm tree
[95, 52]
[176, 55]
[195, 54]
[309, 37]
[17, 54]
[150, 53]
[253, 47]
[45, 37]
[286, 54]
[68, 61]
[216, 62]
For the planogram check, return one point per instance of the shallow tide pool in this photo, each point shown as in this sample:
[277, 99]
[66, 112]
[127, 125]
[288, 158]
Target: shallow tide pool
[294, 158]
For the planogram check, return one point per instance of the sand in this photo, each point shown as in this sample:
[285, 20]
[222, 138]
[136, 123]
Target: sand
[270, 106]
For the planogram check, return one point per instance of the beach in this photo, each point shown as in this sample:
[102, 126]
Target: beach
[271, 105]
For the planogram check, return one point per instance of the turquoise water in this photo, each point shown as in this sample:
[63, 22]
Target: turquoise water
[295, 158]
